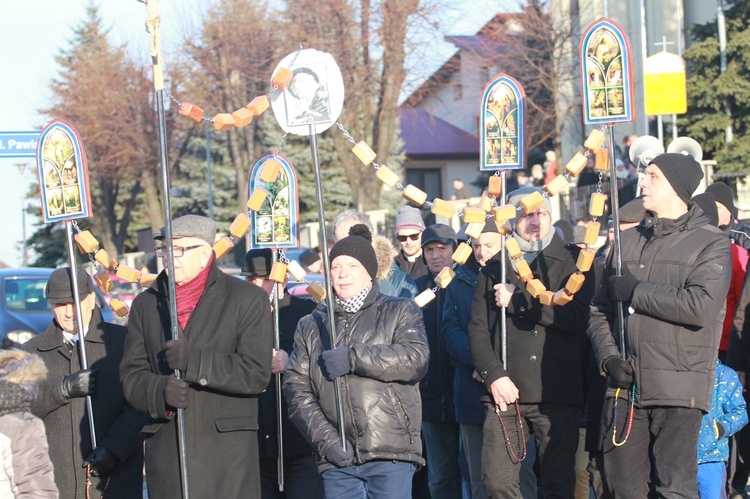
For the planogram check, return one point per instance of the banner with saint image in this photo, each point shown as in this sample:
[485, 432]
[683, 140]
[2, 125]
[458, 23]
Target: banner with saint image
[503, 125]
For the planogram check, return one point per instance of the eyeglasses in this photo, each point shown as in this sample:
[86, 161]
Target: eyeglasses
[413, 237]
[177, 251]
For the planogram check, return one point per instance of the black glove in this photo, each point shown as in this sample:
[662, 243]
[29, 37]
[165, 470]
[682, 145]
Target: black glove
[178, 354]
[78, 384]
[621, 288]
[337, 456]
[175, 393]
[336, 362]
[102, 461]
[620, 371]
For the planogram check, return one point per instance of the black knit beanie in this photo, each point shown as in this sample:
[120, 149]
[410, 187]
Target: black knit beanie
[682, 172]
[358, 245]
[723, 195]
[707, 203]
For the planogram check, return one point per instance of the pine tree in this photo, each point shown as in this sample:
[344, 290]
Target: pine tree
[708, 90]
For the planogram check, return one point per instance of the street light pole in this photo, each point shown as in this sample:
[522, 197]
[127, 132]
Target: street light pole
[24, 248]
[209, 178]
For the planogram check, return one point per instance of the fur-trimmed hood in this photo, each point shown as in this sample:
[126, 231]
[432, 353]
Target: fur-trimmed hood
[17, 366]
[384, 255]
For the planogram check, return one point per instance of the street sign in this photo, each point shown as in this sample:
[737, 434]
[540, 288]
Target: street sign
[18, 144]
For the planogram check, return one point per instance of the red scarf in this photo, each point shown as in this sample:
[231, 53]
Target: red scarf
[189, 294]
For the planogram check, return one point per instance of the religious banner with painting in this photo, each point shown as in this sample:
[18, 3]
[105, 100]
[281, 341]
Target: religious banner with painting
[63, 173]
[606, 74]
[276, 223]
[503, 111]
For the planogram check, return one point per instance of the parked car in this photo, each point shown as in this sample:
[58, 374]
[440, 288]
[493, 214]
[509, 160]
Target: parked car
[24, 311]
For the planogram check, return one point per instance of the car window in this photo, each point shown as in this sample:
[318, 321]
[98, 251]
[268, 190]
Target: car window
[25, 293]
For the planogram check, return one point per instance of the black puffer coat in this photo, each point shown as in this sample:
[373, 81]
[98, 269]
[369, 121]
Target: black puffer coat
[684, 267]
[382, 408]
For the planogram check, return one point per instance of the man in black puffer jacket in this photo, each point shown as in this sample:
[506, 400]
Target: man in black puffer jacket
[382, 355]
[676, 273]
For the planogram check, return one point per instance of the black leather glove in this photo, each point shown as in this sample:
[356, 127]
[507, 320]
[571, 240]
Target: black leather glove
[102, 461]
[175, 393]
[79, 384]
[336, 362]
[619, 371]
[621, 288]
[337, 456]
[178, 354]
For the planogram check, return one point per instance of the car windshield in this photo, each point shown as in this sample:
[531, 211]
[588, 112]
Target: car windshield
[25, 293]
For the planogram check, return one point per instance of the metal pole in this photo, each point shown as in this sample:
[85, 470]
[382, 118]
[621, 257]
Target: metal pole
[182, 440]
[80, 325]
[327, 273]
[152, 26]
[277, 346]
[614, 194]
[503, 278]
[722, 28]
[644, 55]
[209, 177]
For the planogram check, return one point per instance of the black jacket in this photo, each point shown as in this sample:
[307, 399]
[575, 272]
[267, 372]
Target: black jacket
[673, 324]
[544, 343]
[436, 388]
[415, 269]
[118, 425]
[230, 363]
[291, 310]
[381, 403]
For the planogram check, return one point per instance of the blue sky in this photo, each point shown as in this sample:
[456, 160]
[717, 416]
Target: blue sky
[32, 33]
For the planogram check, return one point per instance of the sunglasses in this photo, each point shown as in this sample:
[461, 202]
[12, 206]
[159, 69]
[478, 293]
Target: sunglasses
[413, 237]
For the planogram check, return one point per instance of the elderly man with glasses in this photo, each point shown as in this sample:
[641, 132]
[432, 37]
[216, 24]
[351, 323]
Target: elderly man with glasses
[224, 354]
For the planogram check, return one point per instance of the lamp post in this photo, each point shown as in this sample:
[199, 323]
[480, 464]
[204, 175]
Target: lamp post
[24, 248]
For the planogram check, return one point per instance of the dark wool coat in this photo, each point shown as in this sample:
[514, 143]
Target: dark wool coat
[230, 332]
[544, 343]
[118, 425]
[381, 403]
[673, 323]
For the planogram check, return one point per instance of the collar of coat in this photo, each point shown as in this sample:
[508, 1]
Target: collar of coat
[97, 333]
[661, 227]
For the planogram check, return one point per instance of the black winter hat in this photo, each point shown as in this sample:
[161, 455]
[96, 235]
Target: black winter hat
[682, 171]
[707, 203]
[722, 194]
[441, 233]
[358, 245]
[60, 285]
[257, 262]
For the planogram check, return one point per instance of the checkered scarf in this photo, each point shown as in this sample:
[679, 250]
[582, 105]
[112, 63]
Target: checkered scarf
[353, 304]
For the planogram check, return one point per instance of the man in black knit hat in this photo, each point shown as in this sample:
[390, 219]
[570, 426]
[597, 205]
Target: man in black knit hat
[381, 355]
[675, 277]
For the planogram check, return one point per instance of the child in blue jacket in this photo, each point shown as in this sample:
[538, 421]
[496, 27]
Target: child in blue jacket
[726, 417]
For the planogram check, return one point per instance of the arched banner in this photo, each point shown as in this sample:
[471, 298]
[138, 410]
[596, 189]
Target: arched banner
[63, 173]
[276, 223]
[606, 74]
[503, 122]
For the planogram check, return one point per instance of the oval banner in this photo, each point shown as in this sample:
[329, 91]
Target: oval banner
[606, 74]
[314, 97]
[63, 173]
[275, 223]
[503, 112]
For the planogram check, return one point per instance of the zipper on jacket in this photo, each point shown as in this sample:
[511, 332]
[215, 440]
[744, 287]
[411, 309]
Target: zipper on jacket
[406, 416]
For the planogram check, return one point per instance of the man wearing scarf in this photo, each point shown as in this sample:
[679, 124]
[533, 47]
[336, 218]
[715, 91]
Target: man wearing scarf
[224, 353]
[381, 355]
[543, 380]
